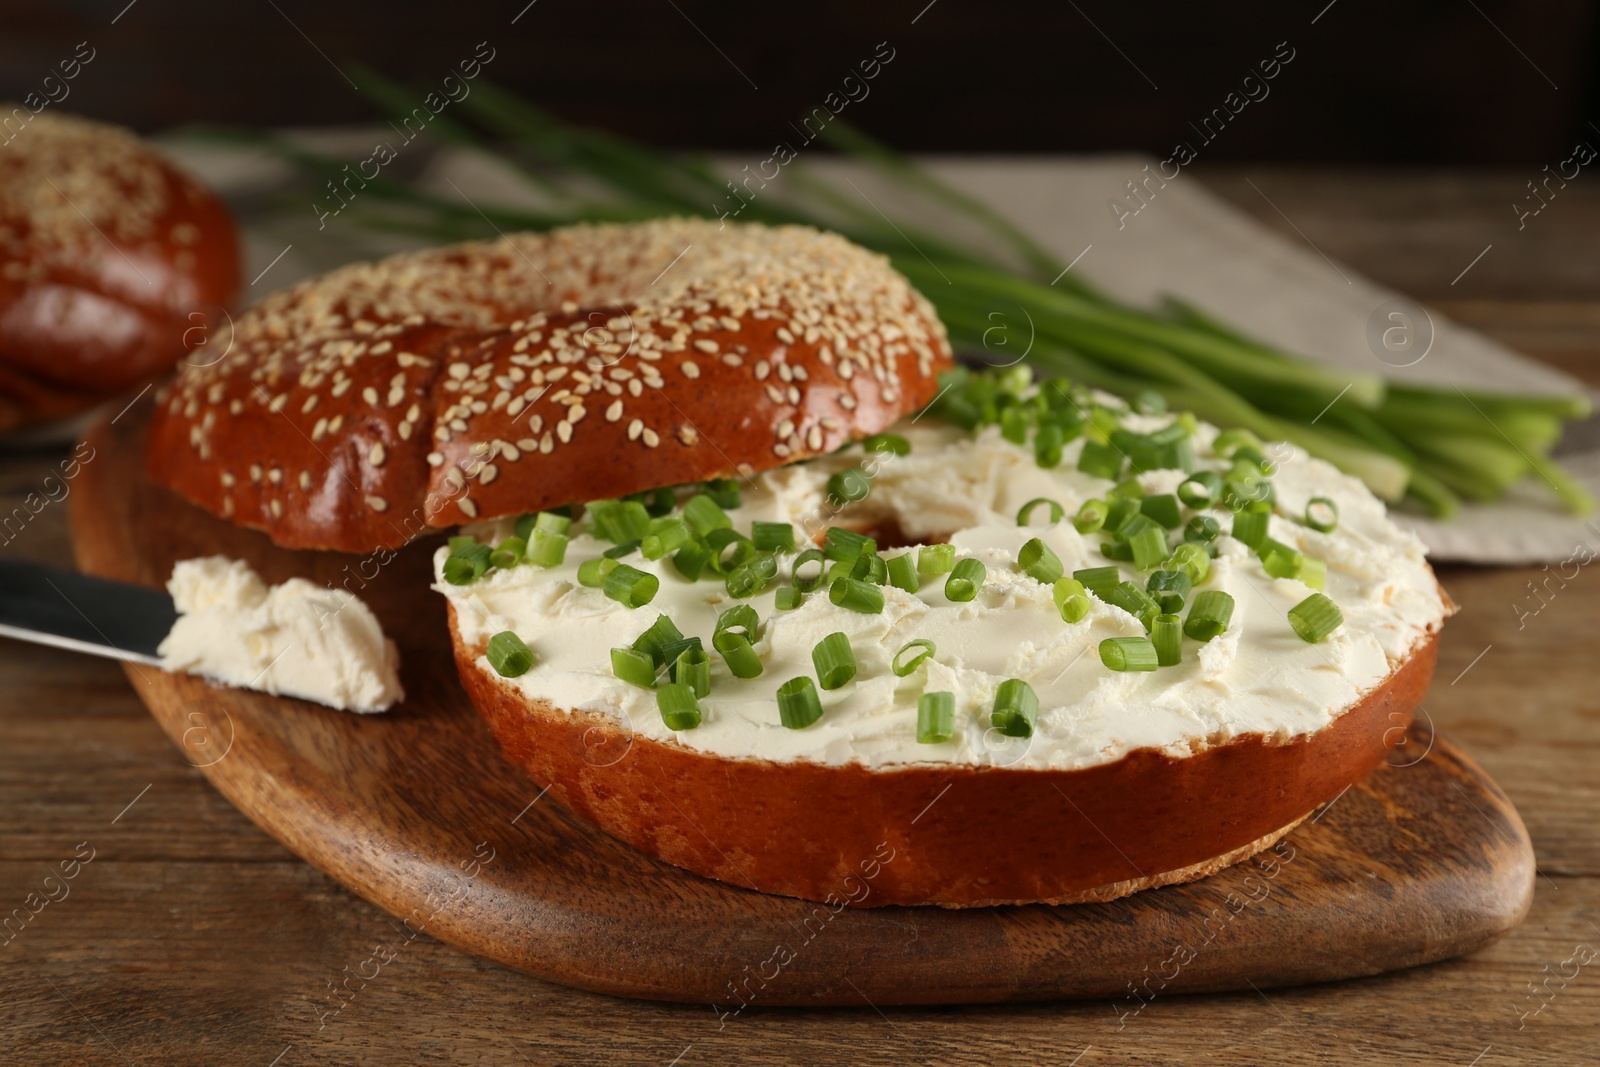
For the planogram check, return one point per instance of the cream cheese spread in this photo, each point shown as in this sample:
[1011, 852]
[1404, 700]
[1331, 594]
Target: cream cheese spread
[298, 639]
[1257, 678]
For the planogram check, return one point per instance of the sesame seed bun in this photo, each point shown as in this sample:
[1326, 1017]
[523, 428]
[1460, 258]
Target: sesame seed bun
[113, 264]
[361, 408]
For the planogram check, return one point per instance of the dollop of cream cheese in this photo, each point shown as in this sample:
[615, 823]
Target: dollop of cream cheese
[298, 639]
[1257, 678]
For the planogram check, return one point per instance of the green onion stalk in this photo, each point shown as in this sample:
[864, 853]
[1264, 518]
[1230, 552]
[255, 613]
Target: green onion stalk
[1432, 447]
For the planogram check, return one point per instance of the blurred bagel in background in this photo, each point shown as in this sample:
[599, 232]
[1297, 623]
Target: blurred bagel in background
[114, 264]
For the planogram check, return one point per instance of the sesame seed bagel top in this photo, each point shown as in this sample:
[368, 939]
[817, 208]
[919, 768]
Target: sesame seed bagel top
[110, 258]
[359, 409]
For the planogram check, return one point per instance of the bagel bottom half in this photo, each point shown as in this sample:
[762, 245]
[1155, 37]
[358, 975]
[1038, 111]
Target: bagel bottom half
[955, 836]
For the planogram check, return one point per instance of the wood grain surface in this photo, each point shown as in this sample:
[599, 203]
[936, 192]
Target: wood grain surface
[418, 812]
[193, 937]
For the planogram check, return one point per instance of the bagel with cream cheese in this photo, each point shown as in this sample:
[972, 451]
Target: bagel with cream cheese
[751, 579]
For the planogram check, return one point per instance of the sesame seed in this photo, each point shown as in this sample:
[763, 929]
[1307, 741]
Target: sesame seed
[377, 503]
[689, 368]
[468, 508]
[377, 455]
[706, 344]
[614, 411]
[649, 437]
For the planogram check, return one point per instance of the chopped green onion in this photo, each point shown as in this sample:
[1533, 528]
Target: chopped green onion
[671, 653]
[1209, 614]
[693, 669]
[661, 635]
[1117, 550]
[680, 710]
[752, 576]
[798, 703]
[1129, 654]
[552, 522]
[1014, 423]
[903, 573]
[1135, 601]
[1170, 588]
[618, 520]
[467, 563]
[925, 650]
[1047, 442]
[1070, 599]
[703, 515]
[1091, 516]
[630, 586]
[934, 560]
[1149, 547]
[936, 718]
[1191, 559]
[741, 618]
[1322, 514]
[964, 580]
[592, 572]
[1313, 572]
[810, 555]
[1101, 461]
[626, 548]
[508, 553]
[887, 442]
[788, 598]
[772, 536]
[1098, 580]
[848, 486]
[1136, 522]
[853, 594]
[1025, 514]
[1120, 511]
[548, 548]
[735, 650]
[667, 534]
[1167, 637]
[834, 661]
[1149, 402]
[1165, 509]
[510, 657]
[1016, 708]
[1250, 522]
[632, 665]
[1131, 488]
[840, 543]
[1278, 559]
[461, 542]
[657, 502]
[1038, 562]
[725, 491]
[1202, 530]
[1201, 489]
[1315, 617]
[720, 541]
[1231, 440]
[692, 560]
[870, 567]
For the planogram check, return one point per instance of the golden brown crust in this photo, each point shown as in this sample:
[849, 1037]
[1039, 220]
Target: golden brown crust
[115, 264]
[361, 408]
[960, 836]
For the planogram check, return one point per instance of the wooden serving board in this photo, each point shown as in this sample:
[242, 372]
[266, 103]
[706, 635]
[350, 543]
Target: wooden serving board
[417, 812]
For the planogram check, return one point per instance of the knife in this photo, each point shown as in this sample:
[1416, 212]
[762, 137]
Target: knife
[49, 606]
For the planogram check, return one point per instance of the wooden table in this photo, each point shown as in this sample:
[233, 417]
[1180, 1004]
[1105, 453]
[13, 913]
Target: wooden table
[190, 936]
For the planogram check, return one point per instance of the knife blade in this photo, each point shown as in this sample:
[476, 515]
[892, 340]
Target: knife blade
[65, 609]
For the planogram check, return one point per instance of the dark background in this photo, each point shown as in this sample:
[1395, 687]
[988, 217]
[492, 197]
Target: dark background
[1437, 81]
